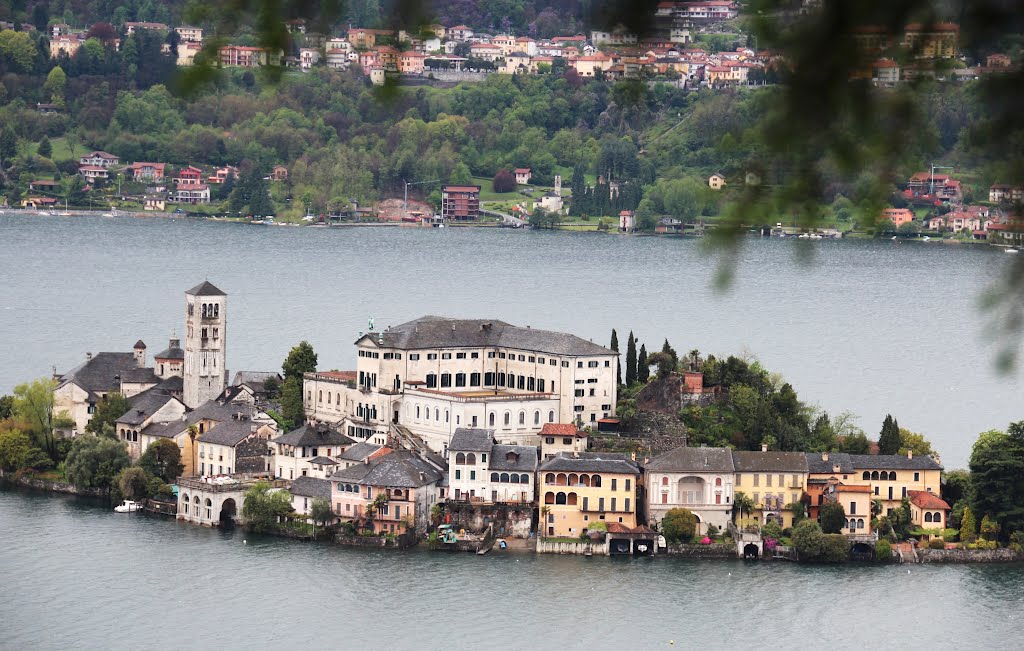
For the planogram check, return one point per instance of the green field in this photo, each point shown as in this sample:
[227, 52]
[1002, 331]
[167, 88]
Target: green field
[60, 149]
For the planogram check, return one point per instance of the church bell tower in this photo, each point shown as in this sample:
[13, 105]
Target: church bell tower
[206, 338]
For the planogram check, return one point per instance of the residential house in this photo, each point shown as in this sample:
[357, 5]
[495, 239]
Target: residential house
[187, 52]
[189, 33]
[392, 493]
[627, 221]
[338, 51]
[309, 450]
[579, 489]
[304, 490]
[80, 389]
[222, 174]
[189, 176]
[460, 33]
[589, 65]
[279, 173]
[856, 503]
[716, 181]
[824, 468]
[130, 27]
[772, 480]
[526, 45]
[485, 51]
[1009, 232]
[151, 406]
[556, 438]
[898, 216]
[932, 41]
[362, 39]
[236, 444]
[94, 173]
[38, 202]
[44, 185]
[251, 386]
[65, 45]
[460, 202]
[1002, 193]
[361, 453]
[308, 57]
[518, 63]
[193, 193]
[245, 56]
[410, 62]
[482, 471]
[387, 57]
[892, 477]
[522, 175]
[928, 511]
[885, 72]
[99, 159]
[147, 171]
[697, 479]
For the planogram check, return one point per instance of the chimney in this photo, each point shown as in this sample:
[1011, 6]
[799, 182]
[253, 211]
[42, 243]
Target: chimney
[824, 456]
[88, 356]
[910, 454]
[253, 428]
[764, 447]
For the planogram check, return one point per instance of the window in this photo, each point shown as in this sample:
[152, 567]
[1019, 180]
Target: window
[608, 364]
[853, 508]
[579, 364]
[614, 486]
[579, 393]
[613, 502]
[414, 357]
[474, 379]
[592, 394]
[592, 364]
[474, 355]
[501, 355]
[431, 381]
[565, 364]
[586, 503]
[540, 360]
[522, 418]
[627, 504]
[553, 362]
[757, 480]
[606, 407]
[567, 440]
[629, 483]
[458, 474]
[446, 380]
[446, 355]
[490, 354]
[767, 480]
[551, 417]
[472, 474]
[592, 380]
[600, 504]
[522, 358]
[490, 419]
[489, 379]
[540, 385]
[917, 476]
[431, 356]
[508, 418]
[460, 379]
[460, 355]
[536, 418]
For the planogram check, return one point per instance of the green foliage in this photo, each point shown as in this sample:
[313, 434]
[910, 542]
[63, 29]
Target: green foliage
[997, 476]
[15, 450]
[956, 485]
[968, 527]
[883, 551]
[742, 505]
[772, 530]
[320, 510]
[45, 149]
[832, 516]
[808, 540]
[643, 369]
[94, 462]
[33, 405]
[110, 407]
[162, 459]
[614, 345]
[989, 528]
[301, 359]
[679, 525]
[133, 483]
[262, 507]
[631, 374]
[936, 543]
[914, 442]
[799, 512]
[7, 407]
[855, 443]
[889, 438]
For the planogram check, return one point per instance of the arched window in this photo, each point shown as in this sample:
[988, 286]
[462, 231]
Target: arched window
[501, 379]
[718, 481]
[417, 411]
[595, 481]
[460, 379]
[204, 310]
[522, 418]
[561, 479]
[471, 459]
[585, 480]
[560, 498]
[524, 478]
[936, 517]
[574, 479]
[892, 476]
[511, 381]
[184, 503]
[549, 478]
[490, 419]
[216, 310]
[549, 498]
[474, 379]
[431, 380]
[874, 475]
[508, 418]
[494, 476]
[928, 516]
[437, 414]
[460, 459]
[571, 501]
[551, 416]
[446, 415]
[664, 481]
[513, 478]
[867, 475]
[196, 502]
[446, 380]
[860, 523]
[319, 396]
[328, 397]
[536, 417]
[504, 478]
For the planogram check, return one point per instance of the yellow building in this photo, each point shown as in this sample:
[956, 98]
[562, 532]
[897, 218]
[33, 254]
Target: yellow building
[579, 489]
[890, 477]
[772, 480]
[928, 511]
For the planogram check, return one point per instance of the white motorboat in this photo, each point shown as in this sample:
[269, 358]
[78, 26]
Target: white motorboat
[128, 506]
[1011, 250]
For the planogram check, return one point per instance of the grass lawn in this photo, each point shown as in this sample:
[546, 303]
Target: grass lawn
[60, 149]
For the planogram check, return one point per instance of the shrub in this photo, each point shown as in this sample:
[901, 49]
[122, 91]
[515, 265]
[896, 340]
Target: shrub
[836, 549]
[883, 551]
[679, 525]
[936, 543]
[713, 531]
[989, 528]
[968, 526]
[808, 540]
[833, 517]
[504, 181]
[771, 530]
[950, 535]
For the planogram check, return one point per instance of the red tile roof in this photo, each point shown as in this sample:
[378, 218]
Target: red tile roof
[926, 500]
[559, 429]
[339, 375]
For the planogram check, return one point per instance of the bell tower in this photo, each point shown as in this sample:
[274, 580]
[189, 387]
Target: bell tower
[206, 337]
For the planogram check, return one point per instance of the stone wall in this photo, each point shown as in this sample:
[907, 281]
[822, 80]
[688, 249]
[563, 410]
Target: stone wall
[508, 521]
[1004, 555]
[53, 486]
[380, 542]
[714, 550]
[560, 547]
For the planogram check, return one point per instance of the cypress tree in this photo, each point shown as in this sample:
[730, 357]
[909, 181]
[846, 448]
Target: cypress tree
[643, 371]
[668, 350]
[615, 346]
[45, 149]
[889, 438]
[630, 360]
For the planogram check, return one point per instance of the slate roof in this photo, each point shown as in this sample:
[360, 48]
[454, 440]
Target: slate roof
[139, 345]
[255, 379]
[228, 432]
[140, 376]
[400, 469]
[468, 439]
[310, 487]
[818, 466]
[360, 451]
[323, 461]
[441, 332]
[893, 462]
[771, 461]
[173, 351]
[205, 288]
[174, 383]
[313, 434]
[592, 462]
[526, 461]
[685, 459]
[209, 410]
[102, 373]
[144, 405]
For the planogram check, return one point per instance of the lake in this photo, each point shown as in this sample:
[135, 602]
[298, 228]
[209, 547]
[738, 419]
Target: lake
[873, 327]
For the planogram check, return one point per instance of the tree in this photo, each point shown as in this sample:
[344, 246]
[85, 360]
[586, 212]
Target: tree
[742, 504]
[8, 146]
[808, 540]
[133, 482]
[799, 511]
[110, 407]
[630, 360]
[15, 450]
[989, 528]
[997, 476]
[968, 527]
[855, 443]
[262, 507]
[301, 359]
[320, 510]
[45, 149]
[94, 462]
[833, 517]
[615, 346]
[679, 525]
[33, 405]
[772, 530]
[643, 371]
[503, 181]
[889, 438]
[914, 442]
[56, 81]
[162, 459]
[6, 407]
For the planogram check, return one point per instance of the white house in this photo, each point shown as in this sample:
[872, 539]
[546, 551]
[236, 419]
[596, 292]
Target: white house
[697, 479]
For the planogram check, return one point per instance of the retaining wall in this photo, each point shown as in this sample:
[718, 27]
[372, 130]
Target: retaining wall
[1004, 555]
[714, 550]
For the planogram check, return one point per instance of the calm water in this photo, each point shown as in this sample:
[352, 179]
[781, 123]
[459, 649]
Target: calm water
[80, 576]
[872, 327]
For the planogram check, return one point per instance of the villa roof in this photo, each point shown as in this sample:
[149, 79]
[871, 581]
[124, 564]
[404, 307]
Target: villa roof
[467, 439]
[592, 462]
[771, 461]
[144, 405]
[442, 332]
[140, 376]
[229, 432]
[561, 429]
[310, 487]
[926, 500]
[400, 469]
[313, 434]
[323, 461]
[205, 288]
[686, 459]
[256, 380]
[820, 466]
[361, 451]
[102, 373]
[893, 462]
[523, 458]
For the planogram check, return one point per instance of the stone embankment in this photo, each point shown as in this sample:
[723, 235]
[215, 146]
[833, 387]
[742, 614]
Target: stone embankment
[38, 484]
[1004, 555]
[714, 550]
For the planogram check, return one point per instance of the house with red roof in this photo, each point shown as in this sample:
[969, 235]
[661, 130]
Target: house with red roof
[562, 437]
[147, 171]
[928, 510]
[522, 175]
[189, 176]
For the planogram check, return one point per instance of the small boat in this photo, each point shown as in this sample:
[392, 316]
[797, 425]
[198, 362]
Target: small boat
[128, 506]
[1011, 250]
[926, 239]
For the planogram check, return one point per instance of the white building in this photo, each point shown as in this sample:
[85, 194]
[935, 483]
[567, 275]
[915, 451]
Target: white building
[206, 337]
[434, 375]
[311, 450]
[482, 471]
[697, 479]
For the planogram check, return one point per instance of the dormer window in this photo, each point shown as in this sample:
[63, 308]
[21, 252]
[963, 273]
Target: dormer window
[512, 457]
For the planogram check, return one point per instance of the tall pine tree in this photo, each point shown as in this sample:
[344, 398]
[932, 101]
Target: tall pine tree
[643, 371]
[630, 360]
[889, 438]
[615, 346]
[671, 352]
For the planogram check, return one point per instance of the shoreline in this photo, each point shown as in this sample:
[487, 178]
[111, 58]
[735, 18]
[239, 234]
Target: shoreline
[679, 551]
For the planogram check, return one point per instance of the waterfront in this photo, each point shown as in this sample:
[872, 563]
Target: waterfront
[871, 326]
[122, 581]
